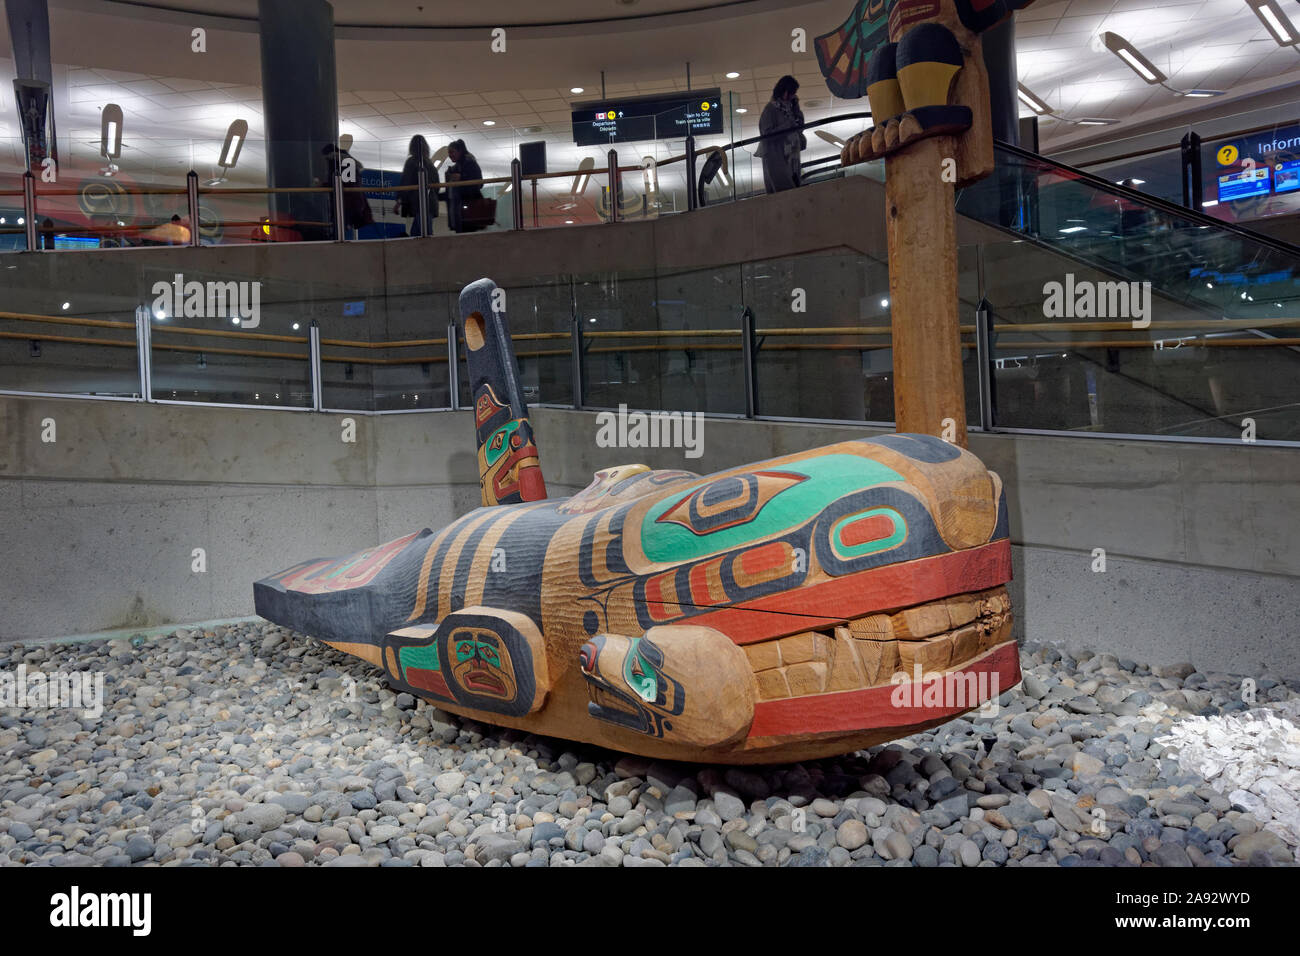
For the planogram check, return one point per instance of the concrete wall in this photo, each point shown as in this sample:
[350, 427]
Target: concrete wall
[101, 524]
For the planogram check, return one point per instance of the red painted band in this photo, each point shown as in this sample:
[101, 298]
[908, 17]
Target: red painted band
[866, 592]
[874, 707]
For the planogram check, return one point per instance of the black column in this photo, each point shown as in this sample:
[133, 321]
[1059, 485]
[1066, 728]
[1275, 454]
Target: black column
[300, 107]
[29, 36]
[999, 44]
[1193, 185]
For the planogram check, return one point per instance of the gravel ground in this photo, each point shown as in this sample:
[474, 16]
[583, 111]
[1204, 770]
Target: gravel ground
[251, 745]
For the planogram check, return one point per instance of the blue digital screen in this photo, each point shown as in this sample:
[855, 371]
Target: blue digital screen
[354, 308]
[1243, 184]
[1286, 176]
[75, 242]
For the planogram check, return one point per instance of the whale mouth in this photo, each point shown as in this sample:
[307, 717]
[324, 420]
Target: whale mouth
[930, 638]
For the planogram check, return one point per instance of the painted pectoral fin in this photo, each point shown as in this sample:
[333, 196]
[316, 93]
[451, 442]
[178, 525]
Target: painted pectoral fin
[478, 658]
[686, 684]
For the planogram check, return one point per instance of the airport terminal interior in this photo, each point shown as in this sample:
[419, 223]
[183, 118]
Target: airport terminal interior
[650, 433]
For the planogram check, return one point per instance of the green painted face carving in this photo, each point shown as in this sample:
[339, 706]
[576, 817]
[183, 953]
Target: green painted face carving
[499, 443]
[481, 664]
[638, 673]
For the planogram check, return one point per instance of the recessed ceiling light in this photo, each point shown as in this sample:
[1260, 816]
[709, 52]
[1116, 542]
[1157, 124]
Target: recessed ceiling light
[489, 122]
[1129, 182]
[67, 306]
[568, 222]
[1203, 93]
[1074, 229]
[733, 75]
[576, 89]
[1208, 203]
[741, 109]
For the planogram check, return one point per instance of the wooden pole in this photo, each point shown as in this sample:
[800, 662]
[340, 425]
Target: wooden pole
[920, 223]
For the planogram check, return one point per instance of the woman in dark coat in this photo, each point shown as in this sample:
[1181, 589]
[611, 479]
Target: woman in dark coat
[464, 166]
[408, 203]
[780, 154]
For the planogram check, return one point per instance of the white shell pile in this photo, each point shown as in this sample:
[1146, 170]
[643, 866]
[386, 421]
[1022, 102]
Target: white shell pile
[1253, 757]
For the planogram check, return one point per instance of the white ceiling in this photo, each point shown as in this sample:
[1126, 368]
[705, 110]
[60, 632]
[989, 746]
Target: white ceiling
[442, 83]
[1199, 44]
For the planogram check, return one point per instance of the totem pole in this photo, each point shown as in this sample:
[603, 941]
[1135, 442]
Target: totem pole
[929, 96]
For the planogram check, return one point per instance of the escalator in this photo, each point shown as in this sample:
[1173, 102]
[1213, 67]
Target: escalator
[1062, 258]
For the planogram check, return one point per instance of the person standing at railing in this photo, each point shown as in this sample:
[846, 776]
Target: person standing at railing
[356, 207]
[781, 153]
[464, 166]
[408, 203]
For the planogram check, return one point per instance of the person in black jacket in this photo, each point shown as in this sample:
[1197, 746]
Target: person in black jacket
[356, 207]
[408, 203]
[464, 166]
[780, 151]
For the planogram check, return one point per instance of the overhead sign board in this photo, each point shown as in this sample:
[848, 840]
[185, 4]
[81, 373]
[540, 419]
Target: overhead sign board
[645, 118]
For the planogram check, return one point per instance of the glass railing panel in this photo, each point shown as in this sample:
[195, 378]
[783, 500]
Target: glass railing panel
[1116, 314]
[411, 370]
[822, 335]
[618, 367]
[223, 338]
[1186, 374]
[1156, 173]
[696, 356]
[540, 313]
[1185, 256]
[57, 337]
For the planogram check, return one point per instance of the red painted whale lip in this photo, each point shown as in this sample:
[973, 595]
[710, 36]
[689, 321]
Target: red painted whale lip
[889, 587]
[873, 708]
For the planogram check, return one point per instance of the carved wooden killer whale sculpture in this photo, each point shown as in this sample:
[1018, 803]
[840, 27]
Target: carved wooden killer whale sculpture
[766, 612]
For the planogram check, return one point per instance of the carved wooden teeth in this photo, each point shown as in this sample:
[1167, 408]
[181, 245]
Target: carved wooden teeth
[867, 652]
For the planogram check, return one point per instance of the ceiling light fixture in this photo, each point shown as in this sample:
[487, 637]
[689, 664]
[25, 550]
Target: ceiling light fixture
[1039, 107]
[741, 109]
[1275, 21]
[577, 89]
[110, 136]
[230, 147]
[1133, 58]
[489, 122]
[733, 75]
[1034, 103]
[1151, 74]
